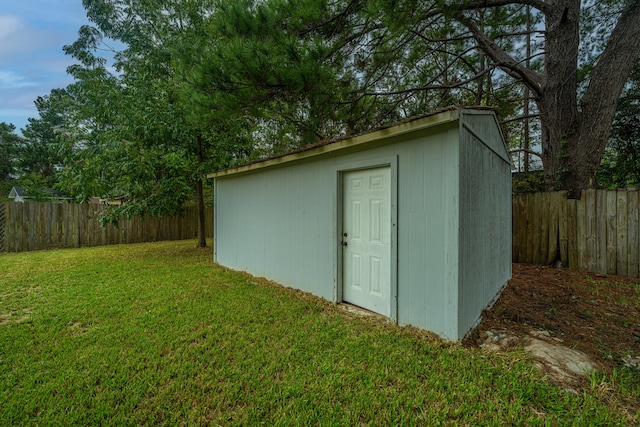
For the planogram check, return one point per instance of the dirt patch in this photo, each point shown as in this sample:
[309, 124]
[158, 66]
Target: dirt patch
[15, 317]
[593, 314]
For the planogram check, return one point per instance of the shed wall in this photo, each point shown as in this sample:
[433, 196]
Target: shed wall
[280, 223]
[485, 217]
[428, 232]
[453, 221]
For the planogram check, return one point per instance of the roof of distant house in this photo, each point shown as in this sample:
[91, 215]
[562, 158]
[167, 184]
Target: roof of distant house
[22, 191]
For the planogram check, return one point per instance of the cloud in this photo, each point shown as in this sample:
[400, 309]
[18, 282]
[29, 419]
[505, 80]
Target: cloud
[69, 12]
[9, 24]
[26, 39]
[9, 79]
[18, 39]
[32, 63]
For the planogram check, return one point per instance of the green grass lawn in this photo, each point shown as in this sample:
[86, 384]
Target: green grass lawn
[156, 334]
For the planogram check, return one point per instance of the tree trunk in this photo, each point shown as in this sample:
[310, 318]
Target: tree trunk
[557, 100]
[202, 238]
[574, 136]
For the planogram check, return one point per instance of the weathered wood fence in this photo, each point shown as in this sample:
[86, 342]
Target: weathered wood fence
[599, 232]
[33, 226]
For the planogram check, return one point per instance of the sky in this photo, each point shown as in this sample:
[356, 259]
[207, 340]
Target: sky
[32, 62]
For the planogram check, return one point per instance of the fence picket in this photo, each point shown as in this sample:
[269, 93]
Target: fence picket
[591, 241]
[612, 234]
[28, 221]
[515, 235]
[543, 218]
[621, 228]
[563, 230]
[554, 213]
[529, 212]
[601, 231]
[581, 235]
[22, 230]
[632, 234]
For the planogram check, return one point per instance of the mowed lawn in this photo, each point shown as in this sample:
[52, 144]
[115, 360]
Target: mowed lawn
[157, 334]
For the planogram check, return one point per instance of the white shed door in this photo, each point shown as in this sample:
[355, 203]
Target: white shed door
[366, 239]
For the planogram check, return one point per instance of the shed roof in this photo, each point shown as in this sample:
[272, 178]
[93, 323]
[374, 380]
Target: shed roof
[327, 146]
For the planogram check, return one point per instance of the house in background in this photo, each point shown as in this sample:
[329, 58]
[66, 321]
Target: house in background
[113, 201]
[22, 194]
[411, 221]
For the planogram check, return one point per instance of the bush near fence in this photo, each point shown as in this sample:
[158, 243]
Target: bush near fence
[599, 232]
[34, 226]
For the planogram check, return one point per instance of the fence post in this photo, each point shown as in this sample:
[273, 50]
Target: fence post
[632, 232]
[3, 220]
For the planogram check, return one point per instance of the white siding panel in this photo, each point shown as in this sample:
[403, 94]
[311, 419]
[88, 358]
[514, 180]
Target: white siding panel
[485, 220]
[427, 233]
[279, 225]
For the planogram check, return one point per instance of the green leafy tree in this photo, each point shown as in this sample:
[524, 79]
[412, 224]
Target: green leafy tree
[9, 142]
[144, 124]
[315, 69]
[271, 63]
[621, 163]
[575, 93]
[36, 158]
[381, 59]
[38, 153]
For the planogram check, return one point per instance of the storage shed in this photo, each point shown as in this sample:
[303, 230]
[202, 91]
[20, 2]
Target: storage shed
[411, 221]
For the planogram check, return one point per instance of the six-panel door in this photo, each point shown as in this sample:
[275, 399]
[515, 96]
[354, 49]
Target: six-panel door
[366, 239]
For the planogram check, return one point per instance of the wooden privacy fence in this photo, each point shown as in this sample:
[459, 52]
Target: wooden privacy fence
[33, 226]
[2, 227]
[599, 232]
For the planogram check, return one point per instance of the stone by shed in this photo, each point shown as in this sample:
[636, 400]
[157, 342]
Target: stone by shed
[411, 221]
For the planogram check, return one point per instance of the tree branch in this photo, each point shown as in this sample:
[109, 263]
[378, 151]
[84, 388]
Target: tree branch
[459, 7]
[524, 150]
[530, 116]
[503, 59]
[541, 5]
[431, 87]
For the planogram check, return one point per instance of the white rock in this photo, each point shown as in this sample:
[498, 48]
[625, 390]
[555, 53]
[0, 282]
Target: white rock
[560, 358]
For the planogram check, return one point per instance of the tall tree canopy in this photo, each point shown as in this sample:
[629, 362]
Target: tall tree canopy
[9, 142]
[33, 159]
[621, 164]
[576, 109]
[39, 156]
[576, 95]
[153, 139]
[203, 84]
[388, 59]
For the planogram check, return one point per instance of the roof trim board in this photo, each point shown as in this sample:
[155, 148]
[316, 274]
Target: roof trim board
[351, 142]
